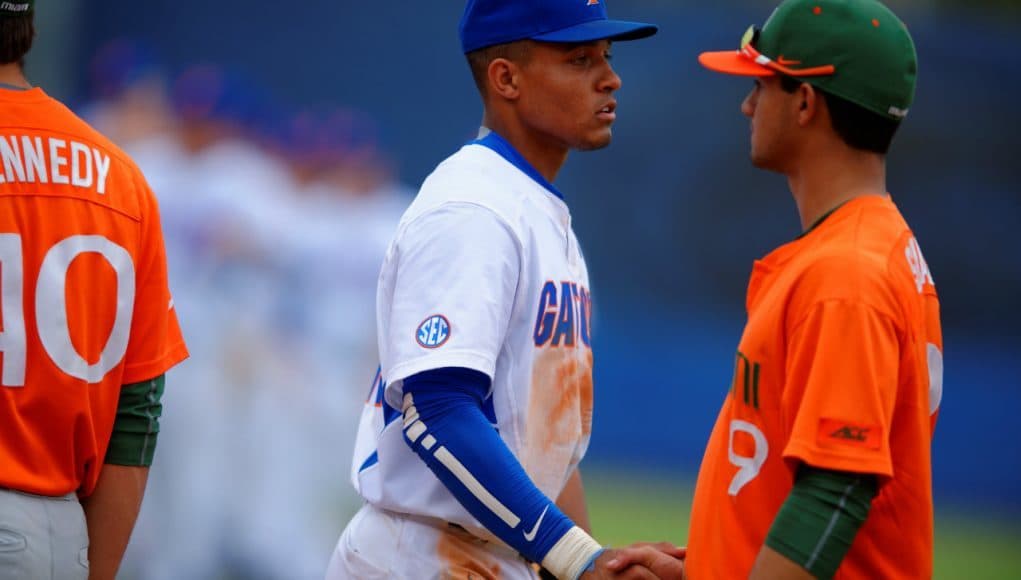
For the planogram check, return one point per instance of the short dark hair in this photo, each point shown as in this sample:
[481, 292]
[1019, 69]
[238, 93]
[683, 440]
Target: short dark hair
[859, 127]
[478, 60]
[16, 34]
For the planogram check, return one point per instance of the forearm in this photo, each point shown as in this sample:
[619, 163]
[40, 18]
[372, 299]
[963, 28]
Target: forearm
[111, 510]
[110, 513]
[771, 565]
[572, 502]
[445, 426]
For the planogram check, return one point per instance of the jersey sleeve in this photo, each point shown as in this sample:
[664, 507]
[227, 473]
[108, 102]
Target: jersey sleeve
[155, 344]
[454, 275]
[841, 386]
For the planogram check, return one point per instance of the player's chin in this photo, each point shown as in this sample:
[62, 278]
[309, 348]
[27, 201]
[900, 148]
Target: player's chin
[595, 140]
[765, 162]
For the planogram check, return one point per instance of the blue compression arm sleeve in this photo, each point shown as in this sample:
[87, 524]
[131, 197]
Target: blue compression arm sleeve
[446, 427]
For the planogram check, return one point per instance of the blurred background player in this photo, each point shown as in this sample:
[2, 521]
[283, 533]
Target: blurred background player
[276, 220]
[484, 317]
[820, 461]
[89, 329]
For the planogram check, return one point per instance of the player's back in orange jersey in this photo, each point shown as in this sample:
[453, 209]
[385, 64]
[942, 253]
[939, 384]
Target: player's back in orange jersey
[85, 302]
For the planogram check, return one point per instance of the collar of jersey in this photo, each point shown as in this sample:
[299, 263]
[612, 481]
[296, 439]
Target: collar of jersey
[504, 149]
[792, 248]
[22, 95]
[819, 221]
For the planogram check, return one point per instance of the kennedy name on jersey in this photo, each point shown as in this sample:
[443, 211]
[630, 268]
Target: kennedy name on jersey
[51, 160]
[565, 315]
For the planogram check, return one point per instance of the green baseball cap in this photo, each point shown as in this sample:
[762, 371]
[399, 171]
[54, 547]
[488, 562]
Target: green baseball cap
[16, 7]
[855, 49]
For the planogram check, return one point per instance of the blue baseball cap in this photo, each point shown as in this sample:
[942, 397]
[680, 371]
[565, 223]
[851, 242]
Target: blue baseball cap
[489, 22]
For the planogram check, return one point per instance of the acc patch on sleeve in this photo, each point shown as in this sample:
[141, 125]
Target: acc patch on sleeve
[836, 431]
[433, 332]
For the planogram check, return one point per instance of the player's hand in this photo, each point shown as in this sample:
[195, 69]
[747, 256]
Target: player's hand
[663, 559]
[641, 563]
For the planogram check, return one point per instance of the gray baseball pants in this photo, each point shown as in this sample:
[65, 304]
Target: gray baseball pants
[42, 538]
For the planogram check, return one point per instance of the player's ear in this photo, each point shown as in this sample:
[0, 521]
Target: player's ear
[503, 78]
[808, 104]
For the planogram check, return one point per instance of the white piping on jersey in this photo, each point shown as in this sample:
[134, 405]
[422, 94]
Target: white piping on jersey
[414, 428]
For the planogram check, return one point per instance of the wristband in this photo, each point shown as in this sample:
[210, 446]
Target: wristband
[572, 555]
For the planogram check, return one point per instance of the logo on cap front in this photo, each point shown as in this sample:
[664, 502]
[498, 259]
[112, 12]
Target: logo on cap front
[24, 6]
[897, 112]
[592, 2]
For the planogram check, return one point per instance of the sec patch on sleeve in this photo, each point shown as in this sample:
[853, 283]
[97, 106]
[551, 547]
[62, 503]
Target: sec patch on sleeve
[433, 332]
[837, 431]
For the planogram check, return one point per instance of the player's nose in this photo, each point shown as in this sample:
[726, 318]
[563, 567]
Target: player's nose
[748, 105]
[611, 81]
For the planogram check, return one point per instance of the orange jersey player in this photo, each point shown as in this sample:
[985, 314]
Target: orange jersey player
[87, 330]
[837, 369]
[819, 463]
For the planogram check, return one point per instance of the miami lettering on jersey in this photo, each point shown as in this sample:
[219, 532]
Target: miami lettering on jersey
[565, 314]
[746, 381]
[51, 160]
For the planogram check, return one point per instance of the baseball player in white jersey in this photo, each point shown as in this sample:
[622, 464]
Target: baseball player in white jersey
[469, 444]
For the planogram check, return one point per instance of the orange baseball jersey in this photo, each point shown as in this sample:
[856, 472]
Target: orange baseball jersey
[840, 367]
[85, 304]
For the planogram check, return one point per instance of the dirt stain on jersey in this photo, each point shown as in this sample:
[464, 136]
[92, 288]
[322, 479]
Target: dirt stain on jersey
[559, 414]
[466, 558]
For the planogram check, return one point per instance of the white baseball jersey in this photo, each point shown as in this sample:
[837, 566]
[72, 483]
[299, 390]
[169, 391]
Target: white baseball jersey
[484, 272]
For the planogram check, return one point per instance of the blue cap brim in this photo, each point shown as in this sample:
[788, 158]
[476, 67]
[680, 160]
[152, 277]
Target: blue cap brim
[600, 30]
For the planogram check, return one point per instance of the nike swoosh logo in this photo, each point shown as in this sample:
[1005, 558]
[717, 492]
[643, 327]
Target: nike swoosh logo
[529, 536]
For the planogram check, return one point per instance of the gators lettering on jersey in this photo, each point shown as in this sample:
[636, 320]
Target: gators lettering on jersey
[485, 273]
[839, 367]
[85, 304]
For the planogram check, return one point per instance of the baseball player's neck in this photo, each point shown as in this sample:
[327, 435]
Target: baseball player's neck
[829, 176]
[12, 75]
[545, 155]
